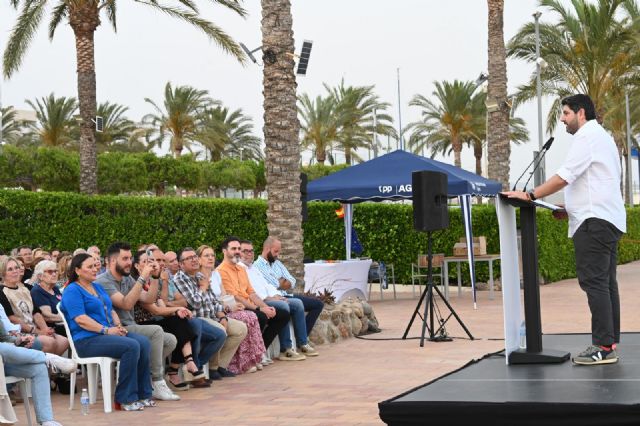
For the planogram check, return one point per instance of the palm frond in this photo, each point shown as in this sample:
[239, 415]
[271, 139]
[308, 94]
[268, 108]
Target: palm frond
[20, 38]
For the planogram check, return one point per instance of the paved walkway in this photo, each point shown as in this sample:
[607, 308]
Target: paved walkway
[344, 384]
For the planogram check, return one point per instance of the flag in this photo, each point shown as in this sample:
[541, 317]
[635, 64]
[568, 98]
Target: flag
[340, 212]
[356, 247]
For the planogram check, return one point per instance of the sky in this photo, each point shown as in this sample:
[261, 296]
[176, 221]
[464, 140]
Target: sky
[363, 42]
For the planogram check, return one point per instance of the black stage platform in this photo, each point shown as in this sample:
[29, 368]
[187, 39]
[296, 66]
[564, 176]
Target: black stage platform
[488, 392]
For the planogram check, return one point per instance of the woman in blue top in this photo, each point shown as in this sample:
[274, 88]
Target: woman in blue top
[96, 331]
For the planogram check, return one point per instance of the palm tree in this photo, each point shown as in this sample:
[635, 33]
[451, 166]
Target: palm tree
[447, 120]
[10, 127]
[84, 18]
[56, 123]
[318, 125]
[230, 134]
[590, 48]
[498, 145]
[357, 107]
[281, 132]
[181, 118]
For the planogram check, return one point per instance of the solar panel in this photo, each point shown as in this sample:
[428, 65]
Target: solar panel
[303, 63]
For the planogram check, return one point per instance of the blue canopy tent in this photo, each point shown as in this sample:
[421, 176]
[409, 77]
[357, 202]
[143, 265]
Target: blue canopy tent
[388, 177]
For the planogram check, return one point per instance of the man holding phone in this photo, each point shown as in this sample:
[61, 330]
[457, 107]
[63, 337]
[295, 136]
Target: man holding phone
[125, 292]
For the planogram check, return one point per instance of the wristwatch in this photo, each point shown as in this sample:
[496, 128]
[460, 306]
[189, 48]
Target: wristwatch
[532, 196]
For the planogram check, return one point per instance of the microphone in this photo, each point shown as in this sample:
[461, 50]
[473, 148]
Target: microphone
[544, 149]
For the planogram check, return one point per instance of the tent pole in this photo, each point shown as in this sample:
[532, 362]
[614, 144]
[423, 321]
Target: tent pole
[465, 202]
[348, 223]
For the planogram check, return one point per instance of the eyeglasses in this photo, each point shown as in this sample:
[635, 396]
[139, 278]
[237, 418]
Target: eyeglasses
[190, 258]
[247, 251]
[51, 271]
[17, 268]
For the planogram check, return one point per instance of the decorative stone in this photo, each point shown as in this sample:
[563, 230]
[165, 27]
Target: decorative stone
[351, 317]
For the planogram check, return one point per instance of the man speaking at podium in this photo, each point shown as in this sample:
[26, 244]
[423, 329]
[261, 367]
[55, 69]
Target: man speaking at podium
[590, 177]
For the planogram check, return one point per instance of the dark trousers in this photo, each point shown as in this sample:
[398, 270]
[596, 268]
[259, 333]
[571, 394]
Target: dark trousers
[313, 307]
[596, 245]
[271, 326]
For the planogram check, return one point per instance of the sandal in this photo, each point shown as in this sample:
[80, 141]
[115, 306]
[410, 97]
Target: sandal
[132, 406]
[196, 372]
[173, 374]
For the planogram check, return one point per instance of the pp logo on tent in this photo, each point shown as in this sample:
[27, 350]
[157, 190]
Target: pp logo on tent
[385, 189]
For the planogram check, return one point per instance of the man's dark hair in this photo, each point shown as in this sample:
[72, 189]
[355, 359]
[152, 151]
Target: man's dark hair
[182, 250]
[22, 247]
[229, 239]
[245, 242]
[575, 102]
[115, 248]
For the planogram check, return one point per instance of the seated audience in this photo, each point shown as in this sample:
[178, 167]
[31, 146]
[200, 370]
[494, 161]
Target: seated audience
[197, 294]
[46, 295]
[277, 275]
[124, 292]
[15, 298]
[251, 350]
[97, 331]
[272, 297]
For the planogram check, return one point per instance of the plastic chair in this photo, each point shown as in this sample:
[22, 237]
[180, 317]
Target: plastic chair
[22, 385]
[274, 348]
[378, 273]
[94, 365]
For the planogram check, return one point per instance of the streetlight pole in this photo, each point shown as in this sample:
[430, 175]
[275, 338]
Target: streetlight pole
[540, 175]
[629, 173]
[400, 141]
[375, 133]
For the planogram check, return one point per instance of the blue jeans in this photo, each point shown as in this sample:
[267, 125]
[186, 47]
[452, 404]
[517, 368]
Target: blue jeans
[134, 381]
[313, 307]
[30, 364]
[208, 341]
[296, 312]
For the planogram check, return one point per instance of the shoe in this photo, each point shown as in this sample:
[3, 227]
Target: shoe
[51, 423]
[225, 373]
[252, 369]
[291, 355]
[201, 383]
[259, 366]
[58, 364]
[162, 392]
[134, 406]
[595, 355]
[266, 360]
[148, 402]
[214, 375]
[307, 350]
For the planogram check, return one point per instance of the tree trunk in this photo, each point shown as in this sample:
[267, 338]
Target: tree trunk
[84, 21]
[499, 149]
[281, 130]
[321, 156]
[347, 156]
[457, 150]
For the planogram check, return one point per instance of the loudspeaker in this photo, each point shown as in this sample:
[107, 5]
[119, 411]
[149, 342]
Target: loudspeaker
[303, 195]
[430, 212]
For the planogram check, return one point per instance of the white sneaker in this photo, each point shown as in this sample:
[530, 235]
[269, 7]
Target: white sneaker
[252, 369]
[291, 355]
[259, 366]
[266, 360]
[308, 350]
[162, 392]
[59, 364]
[51, 423]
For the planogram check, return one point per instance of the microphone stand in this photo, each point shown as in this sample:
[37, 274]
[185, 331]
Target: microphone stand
[539, 159]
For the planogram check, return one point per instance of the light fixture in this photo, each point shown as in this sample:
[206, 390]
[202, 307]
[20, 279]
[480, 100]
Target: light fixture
[305, 53]
[250, 52]
[543, 64]
[492, 105]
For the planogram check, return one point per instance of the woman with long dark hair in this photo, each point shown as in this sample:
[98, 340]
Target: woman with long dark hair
[96, 331]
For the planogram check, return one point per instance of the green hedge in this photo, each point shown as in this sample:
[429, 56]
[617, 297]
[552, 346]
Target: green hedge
[68, 221]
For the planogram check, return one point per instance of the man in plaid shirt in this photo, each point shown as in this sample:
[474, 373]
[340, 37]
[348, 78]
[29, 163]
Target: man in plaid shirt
[203, 302]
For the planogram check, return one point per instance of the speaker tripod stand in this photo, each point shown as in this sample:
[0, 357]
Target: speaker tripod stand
[431, 313]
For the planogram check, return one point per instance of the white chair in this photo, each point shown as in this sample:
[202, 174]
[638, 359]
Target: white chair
[274, 348]
[94, 365]
[22, 385]
[380, 279]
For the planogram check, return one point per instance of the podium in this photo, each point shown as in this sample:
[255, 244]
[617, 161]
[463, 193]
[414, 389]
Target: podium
[534, 353]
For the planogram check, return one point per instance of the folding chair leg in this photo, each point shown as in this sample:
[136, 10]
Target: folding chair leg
[72, 392]
[92, 382]
[25, 396]
[106, 375]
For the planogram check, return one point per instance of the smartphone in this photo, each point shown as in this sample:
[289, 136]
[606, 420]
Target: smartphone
[150, 254]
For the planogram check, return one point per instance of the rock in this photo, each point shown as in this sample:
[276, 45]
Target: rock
[366, 308]
[345, 330]
[356, 326]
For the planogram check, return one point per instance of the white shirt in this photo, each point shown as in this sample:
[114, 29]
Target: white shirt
[262, 288]
[215, 283]
[592, 170]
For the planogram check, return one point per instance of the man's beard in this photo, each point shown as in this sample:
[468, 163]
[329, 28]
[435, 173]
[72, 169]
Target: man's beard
[271, 258]
[120, 270]
[235, 259]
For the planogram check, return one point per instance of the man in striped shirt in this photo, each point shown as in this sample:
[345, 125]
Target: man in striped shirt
[277, 275]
